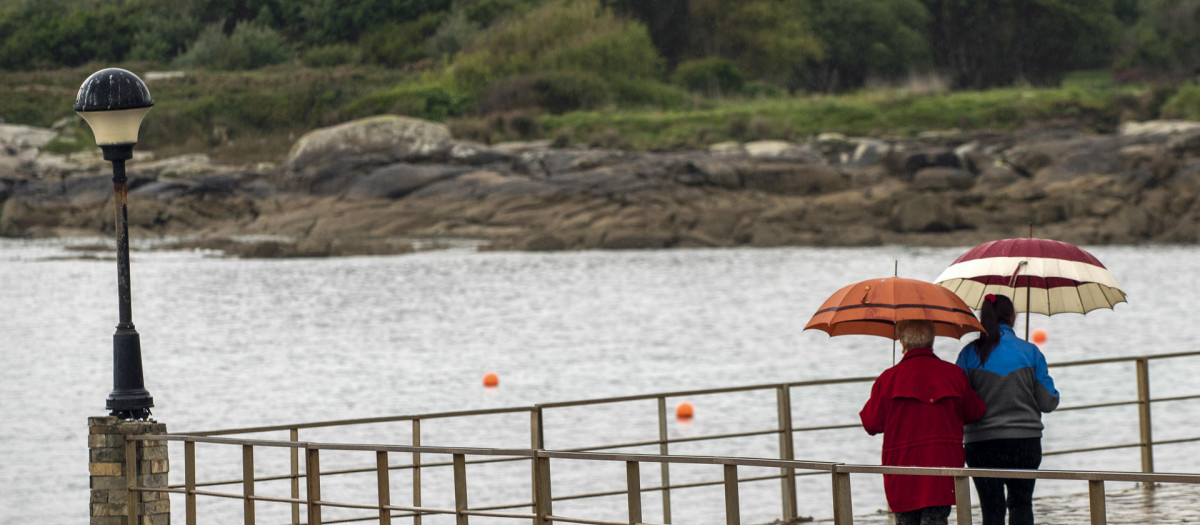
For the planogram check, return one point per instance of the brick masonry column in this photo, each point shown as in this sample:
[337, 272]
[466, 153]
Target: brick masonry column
[106, 465]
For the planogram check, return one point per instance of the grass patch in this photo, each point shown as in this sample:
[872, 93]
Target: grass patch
[256, 115]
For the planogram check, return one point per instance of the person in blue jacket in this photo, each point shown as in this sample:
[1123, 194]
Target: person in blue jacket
[1011, 376]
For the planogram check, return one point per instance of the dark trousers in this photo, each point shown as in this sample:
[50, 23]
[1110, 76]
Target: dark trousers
[1025, 453]
[924, 516]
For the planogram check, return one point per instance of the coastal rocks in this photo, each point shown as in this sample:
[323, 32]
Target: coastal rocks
[395, 184]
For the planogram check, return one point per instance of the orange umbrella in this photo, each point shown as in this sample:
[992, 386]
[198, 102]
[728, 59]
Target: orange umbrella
[873, 307]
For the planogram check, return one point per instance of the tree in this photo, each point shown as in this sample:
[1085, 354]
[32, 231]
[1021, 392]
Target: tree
[769, 40]
[987, 43]
[332, 21]
[865, 38]
[667, 20]
[1166, 39]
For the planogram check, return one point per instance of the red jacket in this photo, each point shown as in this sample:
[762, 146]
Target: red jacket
[920, 405]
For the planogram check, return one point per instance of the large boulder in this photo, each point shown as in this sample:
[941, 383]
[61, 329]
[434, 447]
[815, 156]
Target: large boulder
[393, 137]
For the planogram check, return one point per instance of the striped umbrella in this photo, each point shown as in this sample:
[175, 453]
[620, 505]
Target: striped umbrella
[1040, 275]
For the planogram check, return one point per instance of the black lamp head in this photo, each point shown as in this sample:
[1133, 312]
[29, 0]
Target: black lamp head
[112, 89]
[114, 101]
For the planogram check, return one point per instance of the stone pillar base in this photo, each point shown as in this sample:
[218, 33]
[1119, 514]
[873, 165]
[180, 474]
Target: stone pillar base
[110, 501]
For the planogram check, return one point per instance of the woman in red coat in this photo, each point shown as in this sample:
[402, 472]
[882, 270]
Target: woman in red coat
[920, 405]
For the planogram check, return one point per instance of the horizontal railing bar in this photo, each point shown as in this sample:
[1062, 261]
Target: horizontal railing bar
[553, 517]
[364, 506]
[704, 392]
[360, 421]
[1090, 449]
[1176, 441]
[703, 460]
[695, 484]
[216, 440]
[499, 514]
[405, 466]
[1105, 360]
[1175, 398]
[506, 506]
[1097, 405]
[476, 451]
[602, 494]
[711, 437]
[828, 427]
[415, 510]
[228, 495]
[276, 499]
[1071, 475]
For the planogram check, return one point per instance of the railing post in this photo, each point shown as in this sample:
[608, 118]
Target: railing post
[189, 481]
[460, 489]
[1144, 422]
[1096, 502]
[783, 403]
[312, 473]
[133, 500]
[733, 507]
[962, 499]
[537, 441]
[294, 437]
[665, 467]
[248, 484]
[633, 491]
[543, 500]
[843, 509]
[416, 473]
[385, 487]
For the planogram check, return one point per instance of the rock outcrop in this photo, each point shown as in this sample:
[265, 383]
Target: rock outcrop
[392, 184]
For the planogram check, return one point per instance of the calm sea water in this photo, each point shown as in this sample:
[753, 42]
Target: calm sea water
[236, 343]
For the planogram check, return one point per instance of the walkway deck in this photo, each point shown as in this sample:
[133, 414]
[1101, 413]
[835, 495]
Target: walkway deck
[1165, 504]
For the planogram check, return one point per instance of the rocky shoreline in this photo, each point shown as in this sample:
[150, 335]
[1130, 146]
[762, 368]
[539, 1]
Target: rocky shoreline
[392, 184]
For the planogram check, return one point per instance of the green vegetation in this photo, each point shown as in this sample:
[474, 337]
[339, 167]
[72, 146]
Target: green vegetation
[650, 75]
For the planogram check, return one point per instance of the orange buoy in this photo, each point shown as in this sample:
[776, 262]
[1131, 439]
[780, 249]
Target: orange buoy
[490, 379]
[1039, 336]
[684, 410]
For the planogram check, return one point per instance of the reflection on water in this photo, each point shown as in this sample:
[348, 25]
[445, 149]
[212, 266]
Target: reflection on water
[231, 343]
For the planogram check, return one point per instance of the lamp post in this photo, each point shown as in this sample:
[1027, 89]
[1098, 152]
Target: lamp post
[113, 102]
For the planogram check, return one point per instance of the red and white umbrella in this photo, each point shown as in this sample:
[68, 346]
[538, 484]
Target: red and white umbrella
[1040, 275]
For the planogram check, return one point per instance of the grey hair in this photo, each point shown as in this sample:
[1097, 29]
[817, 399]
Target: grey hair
[915, 334]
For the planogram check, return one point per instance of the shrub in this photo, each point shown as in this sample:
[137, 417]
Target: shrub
[710, 76]
[1184, 104]
[632, 92]
[452, 35]
[331, 56]
[561, 35]
[556, 92]
[162, 38]
[430, 102]
[250, 46]
[562, 92]
[397, 44]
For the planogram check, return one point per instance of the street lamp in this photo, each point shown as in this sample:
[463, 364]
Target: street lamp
[113, 102]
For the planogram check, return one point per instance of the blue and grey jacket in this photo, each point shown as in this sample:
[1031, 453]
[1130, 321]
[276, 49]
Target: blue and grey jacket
[1014, 383]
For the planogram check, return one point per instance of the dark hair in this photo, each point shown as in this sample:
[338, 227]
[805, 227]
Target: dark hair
[996, 310]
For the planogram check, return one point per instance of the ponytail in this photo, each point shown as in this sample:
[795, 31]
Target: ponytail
[996, 310]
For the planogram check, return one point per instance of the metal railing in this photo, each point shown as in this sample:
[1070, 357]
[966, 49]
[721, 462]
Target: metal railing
[542, 487]
[785, 430]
